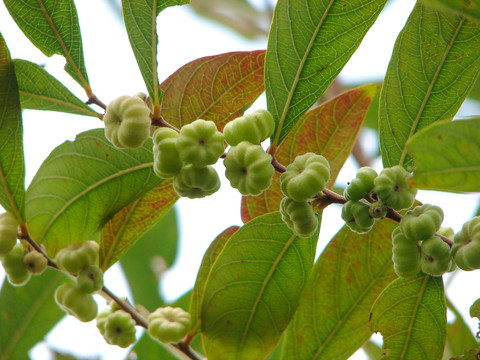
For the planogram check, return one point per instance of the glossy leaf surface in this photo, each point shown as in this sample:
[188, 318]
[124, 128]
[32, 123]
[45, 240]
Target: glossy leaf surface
[253, 290]
[309, 44]
[52, 26]
[447, 156]
[412, 317]
[331, 321]
[217, 88]
[434, 65]
[82, 184]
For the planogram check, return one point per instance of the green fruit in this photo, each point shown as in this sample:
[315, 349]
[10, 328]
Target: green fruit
[405, 255]
[75, 302]
[299, 217]
[361, 185]
[392, 188]
[466, 245]
[127, 122]
[436, 258]
[101, 320]
[378, 210]
[196, 182]
[75, 258]
[120, 329]
[253, 128]
[8, 233]
[200, 143]
[35, 262]
[167, 162]
[356, 216]
[421, 222]
[447, 232]
[14, 266]
[90, 279]
[248, 168]
[305, 177]
[169, 324]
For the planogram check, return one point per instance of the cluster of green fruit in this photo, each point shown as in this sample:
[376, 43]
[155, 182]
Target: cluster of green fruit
[302, 180]
[76, 298]
[466, 245]
[19, 265]
[187, 156]
[117, 326]
[168, 324]
[369, 195]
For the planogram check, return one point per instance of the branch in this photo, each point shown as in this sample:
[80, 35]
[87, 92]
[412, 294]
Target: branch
[94, 100]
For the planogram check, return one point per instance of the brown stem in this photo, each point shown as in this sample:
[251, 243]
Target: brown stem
[359, 155]
[160, 121]
[94, 100]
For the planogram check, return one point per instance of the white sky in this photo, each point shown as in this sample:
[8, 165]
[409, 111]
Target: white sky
[113, 72]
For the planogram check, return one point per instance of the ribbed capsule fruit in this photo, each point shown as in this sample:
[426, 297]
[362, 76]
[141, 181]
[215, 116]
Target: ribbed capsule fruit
[421, 222]
[356, 217]
[8, 232]
[299, 217]
[392, 188]
[119, 329]
[169, 324]
[196, 182]
[436, 257]
[75, 258]
[361, 185]
[14, 266]
[166, 158]
[405, 255]
[254, 128]
[466, 245]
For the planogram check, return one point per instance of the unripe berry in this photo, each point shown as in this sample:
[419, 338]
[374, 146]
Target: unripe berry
[356, 217]
[436, 258]
[169, 324]
[101, 320]
[120, 329]
[127, 122]
[421, 222]
[35, 262]
[405, 255]
[90, 279]
[75, 302]
[167, 162]
[361, 185]
[253, 128]
[14, 266]
[200, 143]
[466, 246]
[8, 233]
[196, 182]
[249, 168]
[305, 177]
[299, 217]
[75, 258]
[392, 188]
[377, 210]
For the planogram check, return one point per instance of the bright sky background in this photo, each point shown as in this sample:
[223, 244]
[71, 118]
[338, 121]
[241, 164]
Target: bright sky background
[183, 37]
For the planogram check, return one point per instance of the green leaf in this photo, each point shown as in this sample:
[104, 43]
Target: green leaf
[412, 317]
[152, 255]
[140, 18]
[129, 224]
[81, 185]
[12, 162]
[309, 44]
[471, 354]
[41, 91]
[447, 156]
[340, 120]
[434, 65]
[253, 289]
[475, 309]
[213, 251]
[331, 321]
[52, 26]
[217, 88]
[468, 8]
[28, 313]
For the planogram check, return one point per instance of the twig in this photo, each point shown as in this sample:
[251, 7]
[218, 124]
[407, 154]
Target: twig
[94, 100]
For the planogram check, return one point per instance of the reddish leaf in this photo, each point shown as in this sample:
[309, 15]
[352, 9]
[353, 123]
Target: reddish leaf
[330, 130]
[130, 223]
[218, 88]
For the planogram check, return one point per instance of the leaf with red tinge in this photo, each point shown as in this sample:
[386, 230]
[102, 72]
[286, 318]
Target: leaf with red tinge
[330, 130]
[218, 88]
[130, 223]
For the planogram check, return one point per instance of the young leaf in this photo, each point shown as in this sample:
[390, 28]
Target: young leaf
[151, 255]
[41, 91]
[447, 156]
[141, 22]
[213, 251]
[434, 65]
[82, 184]
[52, 26]
[12, 162]
[253, 289]
[28, 313]
[331, 321]
[412, 317]
[330, 130]
[309, 44]
[129, 224]
[469, 8]
[218, 88]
